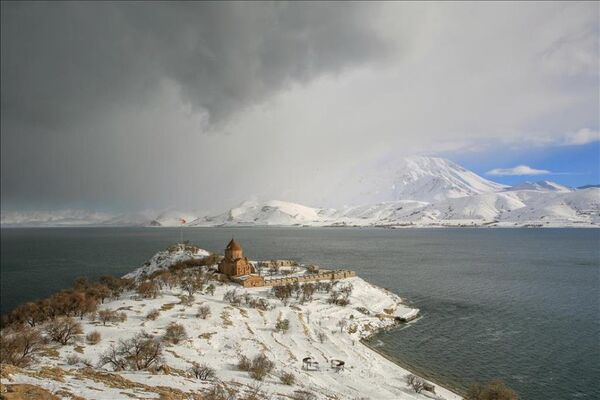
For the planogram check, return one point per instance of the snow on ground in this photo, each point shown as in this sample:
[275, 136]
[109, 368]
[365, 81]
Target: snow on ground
[232, 331]
[164, 259]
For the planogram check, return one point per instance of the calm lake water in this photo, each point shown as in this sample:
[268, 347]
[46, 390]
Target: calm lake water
[522, 305]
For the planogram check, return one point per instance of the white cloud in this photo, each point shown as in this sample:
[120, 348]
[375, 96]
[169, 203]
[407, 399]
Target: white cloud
[518, 170]
[582, 136]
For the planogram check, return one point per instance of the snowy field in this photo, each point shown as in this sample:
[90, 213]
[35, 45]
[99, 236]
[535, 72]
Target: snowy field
[229, 332]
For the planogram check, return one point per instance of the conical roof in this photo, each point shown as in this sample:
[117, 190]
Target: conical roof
[233, 245]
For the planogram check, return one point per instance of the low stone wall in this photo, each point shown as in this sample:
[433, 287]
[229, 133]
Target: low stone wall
[321, 276]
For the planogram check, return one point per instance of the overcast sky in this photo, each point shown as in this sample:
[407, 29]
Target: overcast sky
[199, 106]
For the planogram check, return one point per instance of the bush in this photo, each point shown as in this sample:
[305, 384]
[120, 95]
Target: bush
[187, 300]
[303, 395]
[415, 383]
[210, 289]
[282, 325]
[202, 371]
[93, 337]
[244, 363]
[153, 314]
[203, 312]
[261, 367]
[20, 347]
[233, 297]
[175, 333]
[495, 390]
[63, 329]
[111, 316]
[140, 352]
[283, 293]
[288, 378]
[148, 290]
[73, 359]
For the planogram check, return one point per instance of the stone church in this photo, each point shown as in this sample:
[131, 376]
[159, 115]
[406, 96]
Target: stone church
[234, 263]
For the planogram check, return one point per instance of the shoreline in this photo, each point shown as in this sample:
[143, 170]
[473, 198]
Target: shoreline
[408, 367]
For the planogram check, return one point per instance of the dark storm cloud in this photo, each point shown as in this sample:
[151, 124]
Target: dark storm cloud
[71, 69]
[62, 62]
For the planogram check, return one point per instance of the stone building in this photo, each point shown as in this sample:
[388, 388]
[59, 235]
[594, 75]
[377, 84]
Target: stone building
[234, 263]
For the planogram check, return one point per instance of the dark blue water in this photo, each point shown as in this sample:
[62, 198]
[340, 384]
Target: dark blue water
[517, 304]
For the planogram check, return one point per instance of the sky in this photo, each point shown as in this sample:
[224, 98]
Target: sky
[199, 106]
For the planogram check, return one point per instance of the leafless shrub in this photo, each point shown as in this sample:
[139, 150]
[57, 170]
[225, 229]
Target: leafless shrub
[187, 300]
[105, 316]
[63, 329]
[73, 359]
[219, 392]
[288, 378]
[282, 325]
[260, 304]
[303, 395]
[153, 314]
[93, 337]
[495, 390]
[210, 289]
[261, 367]
[192, 284]
[283, 293]
[148, 289]
[203, 312]
[415, 383]
[19, 347]
[175, 333]
[202, 371]
[322, 336]
[140, 352]
[244, 363]
[233, 297]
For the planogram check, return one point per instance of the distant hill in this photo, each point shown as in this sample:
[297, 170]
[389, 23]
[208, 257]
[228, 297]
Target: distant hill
[414, 191]
[589, 186]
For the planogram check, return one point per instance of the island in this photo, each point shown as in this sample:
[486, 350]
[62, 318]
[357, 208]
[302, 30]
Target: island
[190, 324]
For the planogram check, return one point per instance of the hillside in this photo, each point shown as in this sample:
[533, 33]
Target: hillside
[239, 324]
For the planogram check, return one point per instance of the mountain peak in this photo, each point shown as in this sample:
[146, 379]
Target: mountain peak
[420, 178]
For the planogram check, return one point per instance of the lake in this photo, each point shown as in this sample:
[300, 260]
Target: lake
[522, 305]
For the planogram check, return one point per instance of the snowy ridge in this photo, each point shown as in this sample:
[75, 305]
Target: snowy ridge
[542, 186]
[164, 259]
[405, 192]
[428, 179]
[230, 332]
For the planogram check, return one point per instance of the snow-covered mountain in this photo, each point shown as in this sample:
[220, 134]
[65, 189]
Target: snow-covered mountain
[417, 178]
[542, 186]
[272, 212]
[415, 191]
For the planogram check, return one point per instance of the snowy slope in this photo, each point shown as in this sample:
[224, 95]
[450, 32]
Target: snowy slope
[542, 186]
[272, 212]
[418, 178]
[229, 332]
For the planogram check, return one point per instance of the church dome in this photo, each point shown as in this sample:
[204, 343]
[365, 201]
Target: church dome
[233, 245]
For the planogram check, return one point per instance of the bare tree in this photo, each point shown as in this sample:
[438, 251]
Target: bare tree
[140, 352]
[19, 347]
[63, 329]
[202, 371]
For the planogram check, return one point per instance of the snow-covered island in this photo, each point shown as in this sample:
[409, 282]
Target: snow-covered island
[177, 329]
